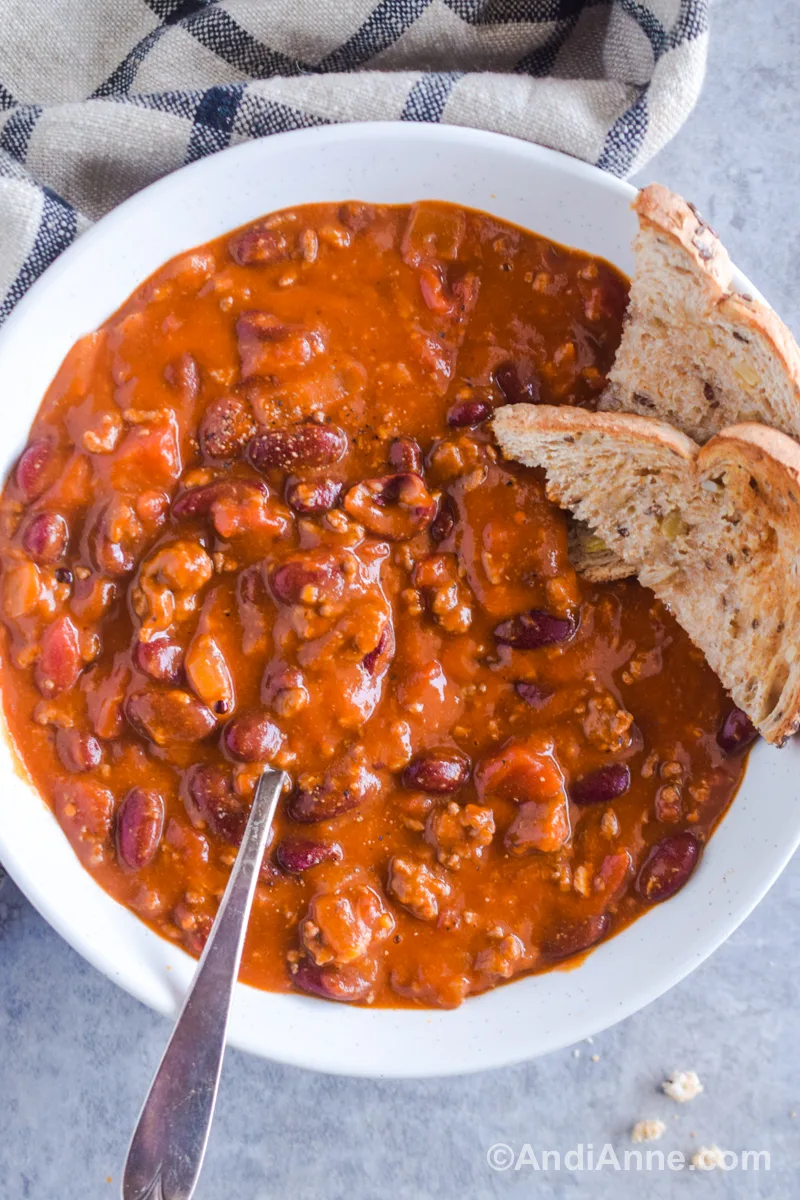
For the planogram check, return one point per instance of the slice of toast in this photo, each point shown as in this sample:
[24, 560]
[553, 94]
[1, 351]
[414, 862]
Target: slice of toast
[693, 353]
[713, 530]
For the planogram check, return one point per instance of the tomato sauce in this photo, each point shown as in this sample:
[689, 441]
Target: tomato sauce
[261, 519]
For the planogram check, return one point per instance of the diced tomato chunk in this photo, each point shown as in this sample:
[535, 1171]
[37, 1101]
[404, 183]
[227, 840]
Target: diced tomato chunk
[148, 455]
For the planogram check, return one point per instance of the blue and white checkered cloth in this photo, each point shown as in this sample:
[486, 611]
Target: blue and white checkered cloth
[100, 97]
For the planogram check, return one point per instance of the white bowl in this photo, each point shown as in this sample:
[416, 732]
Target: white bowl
[396, 163]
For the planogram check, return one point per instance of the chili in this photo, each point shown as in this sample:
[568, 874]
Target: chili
[261, 518]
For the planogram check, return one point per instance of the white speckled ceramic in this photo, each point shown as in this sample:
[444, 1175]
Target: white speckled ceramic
[549, 193]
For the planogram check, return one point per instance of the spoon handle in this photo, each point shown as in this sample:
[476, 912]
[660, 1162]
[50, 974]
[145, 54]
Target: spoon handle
[169, 1142]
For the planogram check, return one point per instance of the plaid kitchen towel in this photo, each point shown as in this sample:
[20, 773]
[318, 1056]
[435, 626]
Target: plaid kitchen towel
[100, 97]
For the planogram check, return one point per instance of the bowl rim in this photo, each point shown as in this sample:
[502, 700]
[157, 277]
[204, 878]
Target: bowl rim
[347, 1045]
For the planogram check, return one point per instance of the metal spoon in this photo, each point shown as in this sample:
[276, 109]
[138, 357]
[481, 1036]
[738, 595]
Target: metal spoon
[169, 1143]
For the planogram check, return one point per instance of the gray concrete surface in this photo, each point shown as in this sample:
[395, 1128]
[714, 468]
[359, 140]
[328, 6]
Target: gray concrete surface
[76, 1054]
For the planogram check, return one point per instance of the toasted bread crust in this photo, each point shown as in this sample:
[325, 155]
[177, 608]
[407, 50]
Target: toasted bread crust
[668, 213]
[760, 445]
[693, 352]
[519, 421]
[764, 323]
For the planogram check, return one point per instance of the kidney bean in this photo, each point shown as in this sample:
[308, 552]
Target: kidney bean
[140, 824]
[444, 521]
[440, 771]
[251, 587]
[183, 374]
[208, 673]
[195, 939]
[613, 874]
[356, 216]
[160, 658]
[252, 737]
[199, 501]
[668, 866]
[300, 854]
[468, 413]
[518, 384]
[290, 580]
[313, 495]
[307, 445]
[37, 469]
[78, 750]
[284, 690]
[383, 649]
[433, 286]
[532, 693]
[736, 733]
[152, 507]
[392, 506]
[110, 557]
[308, 806]
[253, 604]
[346, 983]
[258, 247]
[212, 799]
[116, 537]
[60, 661]
[533, 629]
[226, 427]
[45, 537]
[602, 785]
[405, 455]
[449, 300]
[85, 806]
[105, 694]
[346, 785]
[575, 938]
[169, 716]
[465, 292]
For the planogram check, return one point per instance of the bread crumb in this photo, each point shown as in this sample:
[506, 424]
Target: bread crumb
[682, 1086]
[595, 1058]
[708, 1158]
[648, 1131]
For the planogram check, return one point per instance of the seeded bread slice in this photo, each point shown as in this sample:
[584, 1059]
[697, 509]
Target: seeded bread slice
[713, 530]
[692, 352]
